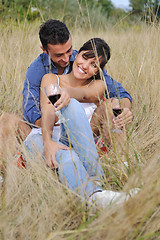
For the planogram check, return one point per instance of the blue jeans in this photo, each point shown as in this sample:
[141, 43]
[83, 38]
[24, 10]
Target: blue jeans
[78, 168]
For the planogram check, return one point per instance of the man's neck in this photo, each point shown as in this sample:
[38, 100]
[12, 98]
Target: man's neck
[60, 70]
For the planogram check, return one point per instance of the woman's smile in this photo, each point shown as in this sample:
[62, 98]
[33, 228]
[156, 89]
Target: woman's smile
[81, 70]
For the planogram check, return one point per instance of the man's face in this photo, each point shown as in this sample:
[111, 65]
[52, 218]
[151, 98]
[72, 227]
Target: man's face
[60, 53]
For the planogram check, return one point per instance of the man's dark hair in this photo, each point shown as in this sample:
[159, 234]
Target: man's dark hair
[97, 47]
[53, 32]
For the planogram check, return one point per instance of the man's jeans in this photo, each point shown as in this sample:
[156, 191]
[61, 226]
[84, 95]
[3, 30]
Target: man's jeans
[78, 168]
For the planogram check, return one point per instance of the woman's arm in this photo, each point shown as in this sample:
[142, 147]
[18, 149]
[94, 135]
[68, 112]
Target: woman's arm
[48, 120]
[92, 93]
[89, 94]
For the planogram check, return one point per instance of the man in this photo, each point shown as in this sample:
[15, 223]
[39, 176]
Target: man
[58, 57]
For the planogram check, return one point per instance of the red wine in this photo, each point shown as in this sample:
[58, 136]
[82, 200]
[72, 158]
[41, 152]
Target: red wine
[117, 111]
[54, 98]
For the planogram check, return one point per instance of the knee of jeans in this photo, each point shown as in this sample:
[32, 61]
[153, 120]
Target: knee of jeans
[73, 101]
[73, 109]
[73, 104]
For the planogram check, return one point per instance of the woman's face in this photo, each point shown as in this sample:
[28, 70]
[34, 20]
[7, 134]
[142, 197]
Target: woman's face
[84, 67]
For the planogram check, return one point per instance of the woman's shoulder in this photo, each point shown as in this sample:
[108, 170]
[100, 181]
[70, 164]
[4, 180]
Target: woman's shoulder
[49, 78]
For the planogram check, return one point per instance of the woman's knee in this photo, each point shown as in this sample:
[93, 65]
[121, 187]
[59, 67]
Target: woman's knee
[74, 104]
[73, 111]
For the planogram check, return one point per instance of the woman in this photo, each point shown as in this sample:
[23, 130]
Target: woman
[75, 155]
[80, 84]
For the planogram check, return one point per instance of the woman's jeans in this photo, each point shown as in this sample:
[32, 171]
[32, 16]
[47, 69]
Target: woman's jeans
[78, 168]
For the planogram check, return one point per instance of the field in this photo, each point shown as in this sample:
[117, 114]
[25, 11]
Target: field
[34, 204]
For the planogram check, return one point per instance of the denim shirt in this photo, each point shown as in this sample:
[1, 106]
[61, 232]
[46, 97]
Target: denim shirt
[41, 66]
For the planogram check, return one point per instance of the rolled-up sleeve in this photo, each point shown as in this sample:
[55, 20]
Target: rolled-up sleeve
[115, 88]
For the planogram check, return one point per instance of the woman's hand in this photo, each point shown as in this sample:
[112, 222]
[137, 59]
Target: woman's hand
[50, 150]
[124, 118]
[63, 101]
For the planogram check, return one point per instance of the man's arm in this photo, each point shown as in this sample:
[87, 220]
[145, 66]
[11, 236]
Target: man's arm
[31, 91]
[114, 88]
[31, 108]
[126, 103]
[126, 116]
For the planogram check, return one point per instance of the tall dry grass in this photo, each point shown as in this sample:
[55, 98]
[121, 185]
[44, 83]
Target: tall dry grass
[35, 205]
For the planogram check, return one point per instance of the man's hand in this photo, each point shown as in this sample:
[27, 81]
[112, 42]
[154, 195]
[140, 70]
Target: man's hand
[50, 150]
[63, 101]
[124, 118]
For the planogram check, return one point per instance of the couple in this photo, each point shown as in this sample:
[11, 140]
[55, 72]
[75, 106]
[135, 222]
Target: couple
[74, 154]
[57, 58]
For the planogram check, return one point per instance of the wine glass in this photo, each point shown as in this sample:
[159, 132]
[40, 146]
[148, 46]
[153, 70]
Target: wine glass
[53, 92]
[116, 108]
